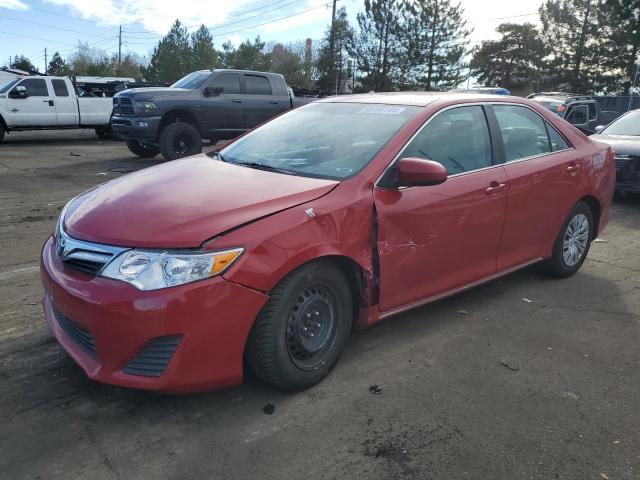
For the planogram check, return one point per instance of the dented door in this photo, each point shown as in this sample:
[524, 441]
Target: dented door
[434, 239]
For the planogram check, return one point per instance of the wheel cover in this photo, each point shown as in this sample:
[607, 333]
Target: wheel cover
[182, 144]
[576, 238]
[311, 327]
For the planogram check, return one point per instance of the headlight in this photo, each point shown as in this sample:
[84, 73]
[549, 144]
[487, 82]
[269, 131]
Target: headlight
[152, 270]
[146, 107]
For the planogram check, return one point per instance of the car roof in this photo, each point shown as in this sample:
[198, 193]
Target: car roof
[418, 99]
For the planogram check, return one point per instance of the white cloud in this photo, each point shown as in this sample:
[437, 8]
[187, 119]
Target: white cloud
[14, 4]
[319, 14]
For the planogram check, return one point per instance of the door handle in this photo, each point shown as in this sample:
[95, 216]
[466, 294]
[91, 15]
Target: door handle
[573, 168]
[50, 102]
[494, 187]
[236, 100]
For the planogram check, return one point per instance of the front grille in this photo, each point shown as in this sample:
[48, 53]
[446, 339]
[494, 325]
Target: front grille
[79, 335]
[122, 106]
[153, 360]
[626, 161]
[82, 256]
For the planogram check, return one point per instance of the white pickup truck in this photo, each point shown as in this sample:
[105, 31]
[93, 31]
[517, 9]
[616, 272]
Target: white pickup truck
[46, 103]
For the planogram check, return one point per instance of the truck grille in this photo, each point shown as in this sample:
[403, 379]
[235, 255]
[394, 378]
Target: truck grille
[122, 106]
[79, 335]
[153, 360]
[624, 162]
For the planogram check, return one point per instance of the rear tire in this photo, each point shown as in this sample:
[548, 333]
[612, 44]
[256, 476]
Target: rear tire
[302, 330]
[572, 245]
[143, 150]
[179, 140]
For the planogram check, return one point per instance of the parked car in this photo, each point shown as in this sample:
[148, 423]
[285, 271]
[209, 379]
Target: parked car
[582, 111]
[49, 103]
[623, 135]
[336, 214]
[488, 90]
[213, 104]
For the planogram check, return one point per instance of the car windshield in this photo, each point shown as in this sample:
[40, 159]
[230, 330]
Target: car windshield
[192, 81]
[322, 140]
[628, 124]
[7, 86]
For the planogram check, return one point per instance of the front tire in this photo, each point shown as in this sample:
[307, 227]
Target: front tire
[572, 245]
[301, 332]
[179, 140]
[143, 150]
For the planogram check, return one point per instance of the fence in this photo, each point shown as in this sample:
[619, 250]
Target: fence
[618, 104]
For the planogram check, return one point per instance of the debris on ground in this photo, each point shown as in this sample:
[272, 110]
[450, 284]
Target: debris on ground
[604, 476]
[269, 409]
[527, 300]
[600, 240]
[73, 154]
[616, 441]
[463, 312]
[511, 366]
[375, 389]
[101, 173]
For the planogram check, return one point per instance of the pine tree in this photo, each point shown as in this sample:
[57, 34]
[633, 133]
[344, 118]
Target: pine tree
[22, 63]
[512, 62]
[334, 72]
[437, 38]
[57, 66]
[204, 53]
[172, 58]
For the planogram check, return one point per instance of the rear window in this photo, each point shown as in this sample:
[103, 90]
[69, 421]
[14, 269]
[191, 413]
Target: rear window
[523, 132]
[257, 85]
[60, 88]
[229, 82]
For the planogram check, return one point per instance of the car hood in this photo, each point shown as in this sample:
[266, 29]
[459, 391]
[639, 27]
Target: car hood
[183, 203]
[622, 144]
[142, 94]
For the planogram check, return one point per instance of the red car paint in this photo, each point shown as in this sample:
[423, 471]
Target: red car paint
[406, 247]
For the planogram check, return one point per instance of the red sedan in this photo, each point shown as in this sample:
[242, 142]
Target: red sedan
[337, 214]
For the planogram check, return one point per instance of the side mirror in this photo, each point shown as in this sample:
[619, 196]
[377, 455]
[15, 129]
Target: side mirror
[413, 172]
[19, 92]
[212, 91]
[599, 128]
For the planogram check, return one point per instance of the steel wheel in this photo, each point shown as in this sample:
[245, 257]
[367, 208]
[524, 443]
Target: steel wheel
[576, 238]
[311, 326]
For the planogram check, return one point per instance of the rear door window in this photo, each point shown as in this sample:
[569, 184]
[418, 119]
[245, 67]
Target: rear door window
[36, 87]
[457, 138]
[523, 132]
[257, 85]
[60, 88]
[557, 141]
[578, 115]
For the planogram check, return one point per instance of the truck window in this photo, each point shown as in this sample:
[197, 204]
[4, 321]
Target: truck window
[229, 82]
[593, 113]
[36, 87]
[257, 85]
[60, 88]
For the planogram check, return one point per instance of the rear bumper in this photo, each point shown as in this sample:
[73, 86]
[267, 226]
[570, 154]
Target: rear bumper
[209, 321]
[135, 128]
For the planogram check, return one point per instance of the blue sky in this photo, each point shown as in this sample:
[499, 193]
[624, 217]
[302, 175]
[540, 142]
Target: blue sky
[28, 26]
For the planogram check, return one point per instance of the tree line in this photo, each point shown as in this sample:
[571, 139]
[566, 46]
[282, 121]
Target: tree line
[585, 46]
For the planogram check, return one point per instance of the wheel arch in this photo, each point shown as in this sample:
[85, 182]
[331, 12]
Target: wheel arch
[596, 211]
[3, 123]
[178, 115]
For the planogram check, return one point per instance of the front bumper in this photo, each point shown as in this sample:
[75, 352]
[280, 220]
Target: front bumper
[209, 320]
[628, 173]
[135, 128]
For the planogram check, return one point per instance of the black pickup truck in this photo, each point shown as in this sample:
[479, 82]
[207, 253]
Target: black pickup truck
[213, 104]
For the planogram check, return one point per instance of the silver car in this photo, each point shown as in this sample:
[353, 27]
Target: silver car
[623, 134]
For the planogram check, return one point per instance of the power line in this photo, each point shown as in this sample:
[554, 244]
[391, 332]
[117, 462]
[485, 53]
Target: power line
[516, 16]
[49, 26]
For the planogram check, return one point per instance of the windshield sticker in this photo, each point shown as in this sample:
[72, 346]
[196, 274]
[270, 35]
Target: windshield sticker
[344, 170]
[382, 109]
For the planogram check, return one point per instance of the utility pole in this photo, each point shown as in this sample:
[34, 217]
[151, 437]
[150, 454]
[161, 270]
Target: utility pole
[119, 48]
[331, 47]
[633, 87]
[46, 65]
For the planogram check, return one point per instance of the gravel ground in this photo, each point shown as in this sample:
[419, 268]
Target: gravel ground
[525, 377]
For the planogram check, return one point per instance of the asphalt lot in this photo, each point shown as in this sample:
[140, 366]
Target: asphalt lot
[526, 377]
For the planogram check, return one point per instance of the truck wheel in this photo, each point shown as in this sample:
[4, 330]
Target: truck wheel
[1, 133]
[179, 140]
[143, 150]
[104, 132]
[301, 331]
